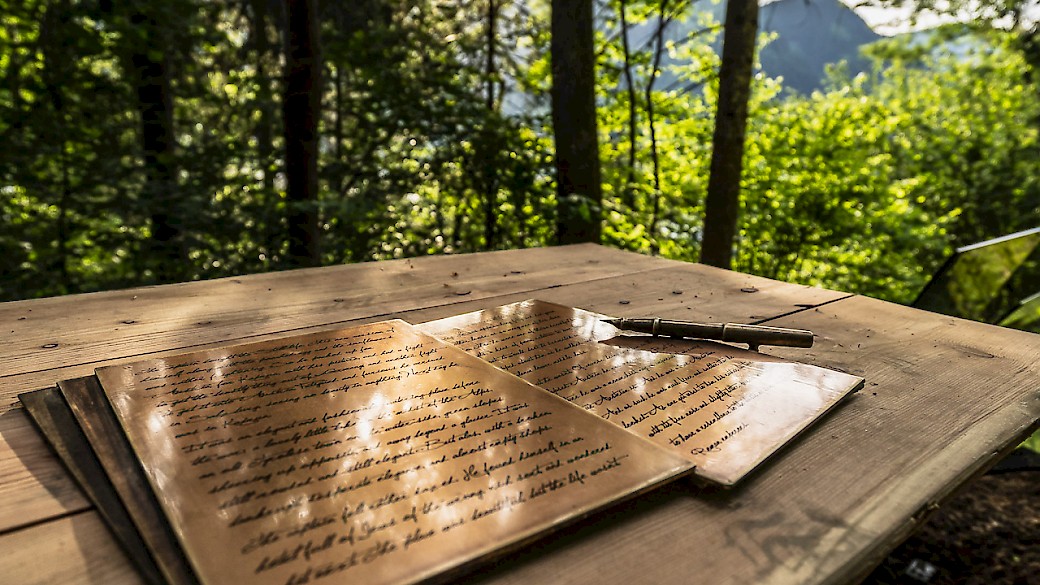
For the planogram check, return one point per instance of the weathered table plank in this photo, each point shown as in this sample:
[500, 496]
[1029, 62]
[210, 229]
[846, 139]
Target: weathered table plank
[77, 549]
[60, 331]
[943, 399]
[33, 484]
[679, 291]
[30, 495]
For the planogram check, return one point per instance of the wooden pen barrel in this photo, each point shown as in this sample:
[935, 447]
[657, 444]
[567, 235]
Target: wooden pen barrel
[753, 335]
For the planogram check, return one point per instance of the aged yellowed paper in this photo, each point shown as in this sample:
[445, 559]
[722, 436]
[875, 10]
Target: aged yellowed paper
[724, 408]
[375, 454]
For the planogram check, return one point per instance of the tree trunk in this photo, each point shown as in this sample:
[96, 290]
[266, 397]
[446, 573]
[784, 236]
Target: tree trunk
[727, 157]
[579, 191]
[489, 141]
[264, 99]
[150, 63]
[628, 195]
[270, 235]
[489, 67]
[302, 104]
[662, 22]
[52, 26]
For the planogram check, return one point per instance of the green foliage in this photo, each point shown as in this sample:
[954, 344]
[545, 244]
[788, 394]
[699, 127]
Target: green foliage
[67, 190]
[824, 205]
[638, 216]
[421, 159]
[868, 186]
[1033, 442]
[428, 146]
[971, 134]
[414, 160]
[865, 187]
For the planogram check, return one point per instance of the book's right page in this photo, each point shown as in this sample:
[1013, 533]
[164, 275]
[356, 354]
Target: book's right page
[724, 408]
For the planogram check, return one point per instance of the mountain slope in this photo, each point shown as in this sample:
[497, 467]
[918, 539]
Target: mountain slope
[810, 35]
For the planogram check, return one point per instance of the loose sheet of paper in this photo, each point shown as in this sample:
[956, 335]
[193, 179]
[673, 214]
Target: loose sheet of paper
[375, 454]
[723, 408]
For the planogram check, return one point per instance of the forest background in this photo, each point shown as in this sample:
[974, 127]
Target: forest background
[154, 141]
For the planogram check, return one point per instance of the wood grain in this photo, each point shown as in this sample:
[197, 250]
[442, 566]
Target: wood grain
[77, 549]
[681, 291]
[80, 329]
[686, 291]
[944, 398]
[33, 484]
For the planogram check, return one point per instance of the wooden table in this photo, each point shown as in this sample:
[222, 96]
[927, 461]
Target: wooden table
[944, 399]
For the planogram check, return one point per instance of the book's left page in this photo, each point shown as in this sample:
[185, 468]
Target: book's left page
[375, 454]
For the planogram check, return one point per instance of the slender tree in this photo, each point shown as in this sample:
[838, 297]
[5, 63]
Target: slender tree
[579, 191]
[302, 110]
[488, 142]
[149, 65]
[56, 67]
[259, 19]
[663, 21]
[628, 195]
[723, 202]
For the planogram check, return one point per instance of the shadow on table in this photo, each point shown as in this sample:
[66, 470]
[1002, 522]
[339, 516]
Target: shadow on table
[27, 444]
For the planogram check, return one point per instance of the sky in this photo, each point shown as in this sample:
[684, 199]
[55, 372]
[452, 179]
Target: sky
[890, 21]
[886, 21]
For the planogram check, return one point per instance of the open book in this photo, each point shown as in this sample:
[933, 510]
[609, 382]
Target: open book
[380, 454]
[722, 408]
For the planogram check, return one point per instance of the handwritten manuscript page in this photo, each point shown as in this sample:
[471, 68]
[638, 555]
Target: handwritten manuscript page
[723, 408]
[375, 454]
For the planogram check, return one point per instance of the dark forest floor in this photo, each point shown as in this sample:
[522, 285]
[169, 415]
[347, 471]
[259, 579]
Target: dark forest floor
[989, 533]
